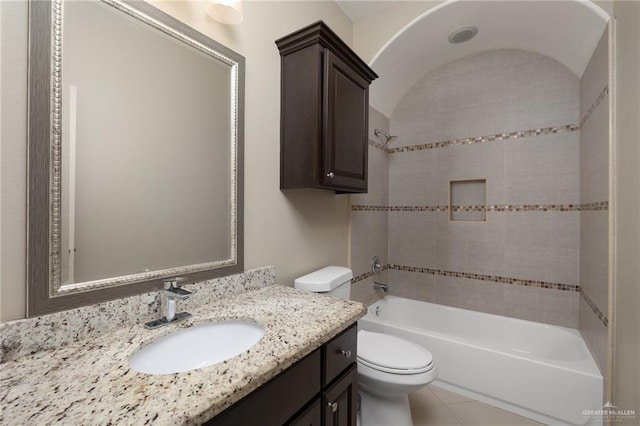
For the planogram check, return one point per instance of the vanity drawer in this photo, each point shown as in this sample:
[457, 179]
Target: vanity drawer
[339, 353]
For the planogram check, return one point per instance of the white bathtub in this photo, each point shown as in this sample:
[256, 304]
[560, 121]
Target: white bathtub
[539, 371]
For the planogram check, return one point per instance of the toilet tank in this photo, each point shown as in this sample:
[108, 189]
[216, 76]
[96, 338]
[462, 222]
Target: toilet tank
[333, 281]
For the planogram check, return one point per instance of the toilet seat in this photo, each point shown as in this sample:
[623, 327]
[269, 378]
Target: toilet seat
[391, 354]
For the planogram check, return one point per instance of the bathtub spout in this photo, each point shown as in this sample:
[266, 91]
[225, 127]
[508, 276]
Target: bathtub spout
[384, 287]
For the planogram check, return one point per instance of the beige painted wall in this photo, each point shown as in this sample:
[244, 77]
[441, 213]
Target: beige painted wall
[13, 86]
[626, 368]
[297, 231]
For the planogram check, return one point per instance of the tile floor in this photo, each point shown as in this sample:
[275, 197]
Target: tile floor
[434, 406]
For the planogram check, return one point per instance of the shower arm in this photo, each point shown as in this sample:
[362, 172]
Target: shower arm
[381, 133]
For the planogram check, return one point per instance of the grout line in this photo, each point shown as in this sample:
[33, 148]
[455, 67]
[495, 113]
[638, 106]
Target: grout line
[454, 414]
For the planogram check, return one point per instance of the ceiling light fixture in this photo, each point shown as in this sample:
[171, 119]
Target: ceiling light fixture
[225, 11]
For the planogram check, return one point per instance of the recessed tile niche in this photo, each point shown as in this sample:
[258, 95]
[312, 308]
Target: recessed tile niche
[468, 200]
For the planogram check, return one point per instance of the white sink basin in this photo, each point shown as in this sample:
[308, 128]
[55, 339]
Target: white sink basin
[196, 347]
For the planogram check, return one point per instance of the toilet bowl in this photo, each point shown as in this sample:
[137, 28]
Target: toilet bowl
[389, 368]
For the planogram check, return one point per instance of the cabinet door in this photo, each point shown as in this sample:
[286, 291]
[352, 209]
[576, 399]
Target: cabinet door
[310, 416]
[340, 400]
[345, 139]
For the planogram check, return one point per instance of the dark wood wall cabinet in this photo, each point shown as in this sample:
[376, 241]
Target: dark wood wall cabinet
[324, 115]
[319, 390]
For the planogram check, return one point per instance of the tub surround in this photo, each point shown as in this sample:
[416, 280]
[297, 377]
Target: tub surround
[510, 117]
[370, 230]
[515, 119]
[594, 187]
[90, 379]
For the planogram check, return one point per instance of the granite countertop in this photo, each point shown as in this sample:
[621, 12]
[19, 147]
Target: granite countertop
[89, 381]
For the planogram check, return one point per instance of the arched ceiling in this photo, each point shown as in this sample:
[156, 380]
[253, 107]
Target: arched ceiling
[567, 31]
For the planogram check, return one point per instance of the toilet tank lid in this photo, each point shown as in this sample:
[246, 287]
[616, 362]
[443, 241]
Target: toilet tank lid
[325, 279]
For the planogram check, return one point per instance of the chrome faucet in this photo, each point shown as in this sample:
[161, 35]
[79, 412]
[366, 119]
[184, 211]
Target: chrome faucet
[376, 268]
[171, 294]
[384, 287]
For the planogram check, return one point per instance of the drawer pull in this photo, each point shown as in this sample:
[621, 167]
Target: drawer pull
[345, 353]
[333, 406]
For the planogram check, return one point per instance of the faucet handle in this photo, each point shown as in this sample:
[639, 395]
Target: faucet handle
[172, 283]
[179, 293]
[174, 292]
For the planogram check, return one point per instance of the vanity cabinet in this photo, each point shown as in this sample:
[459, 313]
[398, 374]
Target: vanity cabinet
[336, 406]
[320, 389]
[324, 112]
[340, 400]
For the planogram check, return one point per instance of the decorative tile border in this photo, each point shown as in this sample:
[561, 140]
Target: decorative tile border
[378, 145]
[534, 208]
[602, 317]
[468, 208]
[483, 277]
[595, 105]
[480, 139]
[363, 208]
[366, 275]
[472, 276]
[600, 205]
[418, 208]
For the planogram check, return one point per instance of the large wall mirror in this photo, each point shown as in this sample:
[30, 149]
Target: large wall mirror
[135, 153]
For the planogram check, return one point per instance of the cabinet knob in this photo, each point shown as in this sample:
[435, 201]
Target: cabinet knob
[345, 353]
[330, 175]
[333, 406]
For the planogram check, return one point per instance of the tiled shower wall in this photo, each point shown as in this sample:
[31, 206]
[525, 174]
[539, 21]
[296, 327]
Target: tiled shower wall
[594, 190]
[370, 229]
[510, 117]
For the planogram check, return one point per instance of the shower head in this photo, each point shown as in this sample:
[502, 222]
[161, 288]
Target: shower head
[387, 137]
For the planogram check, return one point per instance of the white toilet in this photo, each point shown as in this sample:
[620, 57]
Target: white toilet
[388, 367]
